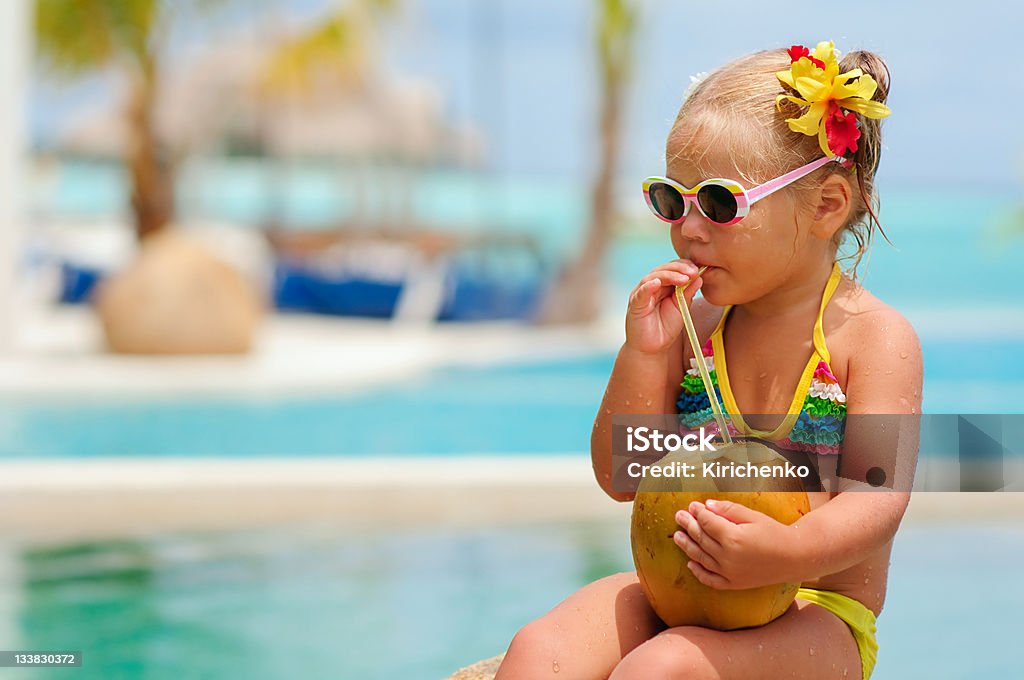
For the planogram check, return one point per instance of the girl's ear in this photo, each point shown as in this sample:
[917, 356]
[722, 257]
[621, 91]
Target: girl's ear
[834, 200]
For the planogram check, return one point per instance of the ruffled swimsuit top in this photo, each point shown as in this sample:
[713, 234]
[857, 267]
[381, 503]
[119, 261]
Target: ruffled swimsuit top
[816, 415]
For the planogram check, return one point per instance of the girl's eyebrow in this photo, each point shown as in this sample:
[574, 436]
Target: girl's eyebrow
[702, 173]
[675, 178]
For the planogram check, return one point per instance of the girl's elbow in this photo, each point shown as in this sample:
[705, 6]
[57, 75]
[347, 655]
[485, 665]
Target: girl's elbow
[621, 496]
[605, 482]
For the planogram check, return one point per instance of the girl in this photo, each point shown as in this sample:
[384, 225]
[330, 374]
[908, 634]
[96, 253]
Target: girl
[797, 134]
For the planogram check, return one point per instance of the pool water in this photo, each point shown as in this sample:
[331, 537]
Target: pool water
[537, 407]
[399, 604]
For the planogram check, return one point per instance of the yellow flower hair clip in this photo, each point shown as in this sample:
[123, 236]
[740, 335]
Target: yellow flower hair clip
[816, 79]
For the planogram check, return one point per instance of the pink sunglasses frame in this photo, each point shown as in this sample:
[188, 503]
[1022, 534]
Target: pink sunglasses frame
[744, 198]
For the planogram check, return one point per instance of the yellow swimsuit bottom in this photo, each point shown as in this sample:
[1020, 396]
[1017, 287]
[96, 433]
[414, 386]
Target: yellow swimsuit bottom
[859, 618]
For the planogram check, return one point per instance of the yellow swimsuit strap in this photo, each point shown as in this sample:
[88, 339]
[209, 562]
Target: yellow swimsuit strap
[819, 333]
[820, 353]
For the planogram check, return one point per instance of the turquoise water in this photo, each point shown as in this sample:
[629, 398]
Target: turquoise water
[402, 604]
[539, 407]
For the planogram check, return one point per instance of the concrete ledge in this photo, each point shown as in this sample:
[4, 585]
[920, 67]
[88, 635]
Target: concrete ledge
[66, 500]
[59, 501]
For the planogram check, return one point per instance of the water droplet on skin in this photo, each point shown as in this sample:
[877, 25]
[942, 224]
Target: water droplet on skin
[760, 647]
[627, 402]
[649, 402]
[811, 651]
[903, 355]
[866, 581]
[728, 659]
[888, 372]
[554, 667]
[607, 410]
[763, 376]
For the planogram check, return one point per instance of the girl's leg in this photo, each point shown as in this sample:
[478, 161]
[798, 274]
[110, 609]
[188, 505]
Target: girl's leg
[805, 642]
[586, 635]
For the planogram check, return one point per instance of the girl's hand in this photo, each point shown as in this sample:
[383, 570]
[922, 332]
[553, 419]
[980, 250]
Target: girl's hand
[732, 547]
[653, 321]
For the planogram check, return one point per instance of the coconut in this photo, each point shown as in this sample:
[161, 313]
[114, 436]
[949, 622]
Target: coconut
[675, 594]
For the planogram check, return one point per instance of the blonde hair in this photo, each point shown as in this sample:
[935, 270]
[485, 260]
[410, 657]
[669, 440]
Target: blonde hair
[734, 108]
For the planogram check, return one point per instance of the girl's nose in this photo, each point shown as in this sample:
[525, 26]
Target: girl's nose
[694, 227]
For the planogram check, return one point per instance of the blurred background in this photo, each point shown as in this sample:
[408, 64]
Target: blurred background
[306, 308]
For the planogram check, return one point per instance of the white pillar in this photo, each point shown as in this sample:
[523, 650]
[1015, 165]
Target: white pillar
[15, 60]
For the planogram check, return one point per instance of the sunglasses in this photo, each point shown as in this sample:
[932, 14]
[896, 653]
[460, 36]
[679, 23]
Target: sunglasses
[722, 201]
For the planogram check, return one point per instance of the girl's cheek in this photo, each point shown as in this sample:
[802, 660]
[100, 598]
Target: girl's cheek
[677, 241]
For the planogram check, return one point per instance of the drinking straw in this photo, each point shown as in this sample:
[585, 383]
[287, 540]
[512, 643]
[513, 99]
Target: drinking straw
[702, 368]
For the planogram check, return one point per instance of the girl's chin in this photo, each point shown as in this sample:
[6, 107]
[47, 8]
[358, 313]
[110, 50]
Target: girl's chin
[712, 289]
[714, 296]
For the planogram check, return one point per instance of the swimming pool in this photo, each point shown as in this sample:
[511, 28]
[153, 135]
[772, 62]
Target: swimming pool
[535, 407]
[397, 604]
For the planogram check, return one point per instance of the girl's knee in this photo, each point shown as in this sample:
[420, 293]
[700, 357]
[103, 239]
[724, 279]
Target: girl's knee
[529, 654]
[674, 656]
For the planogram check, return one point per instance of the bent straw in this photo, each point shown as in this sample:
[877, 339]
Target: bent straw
[702, 368]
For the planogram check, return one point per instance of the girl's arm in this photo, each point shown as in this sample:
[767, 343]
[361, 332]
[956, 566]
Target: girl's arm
[734, 547]
[639, 383]
[647, 363]
[884, 383]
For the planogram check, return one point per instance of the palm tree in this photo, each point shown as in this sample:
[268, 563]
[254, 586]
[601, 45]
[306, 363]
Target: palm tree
[335, 54]
[575, 298]
[78, 37]
[338, 48]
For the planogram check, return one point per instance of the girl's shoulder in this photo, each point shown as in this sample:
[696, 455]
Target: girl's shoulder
[864, 334]
[856, 314]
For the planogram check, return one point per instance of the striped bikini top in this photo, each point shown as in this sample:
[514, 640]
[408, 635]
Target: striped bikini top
[816, 415]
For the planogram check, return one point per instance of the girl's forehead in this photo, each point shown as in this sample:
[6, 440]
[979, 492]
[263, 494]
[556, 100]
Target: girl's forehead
[701, 149]
[690, 169]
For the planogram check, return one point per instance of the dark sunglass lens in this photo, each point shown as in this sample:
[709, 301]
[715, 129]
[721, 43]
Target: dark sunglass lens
[667, 201]
[717, 202]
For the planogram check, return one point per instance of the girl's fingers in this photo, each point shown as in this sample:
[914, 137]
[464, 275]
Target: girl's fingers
[694, 551]
[644, 294]
[667, 278]
[684, 267]
[691, 289]
[707, 577]
[652, 287]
